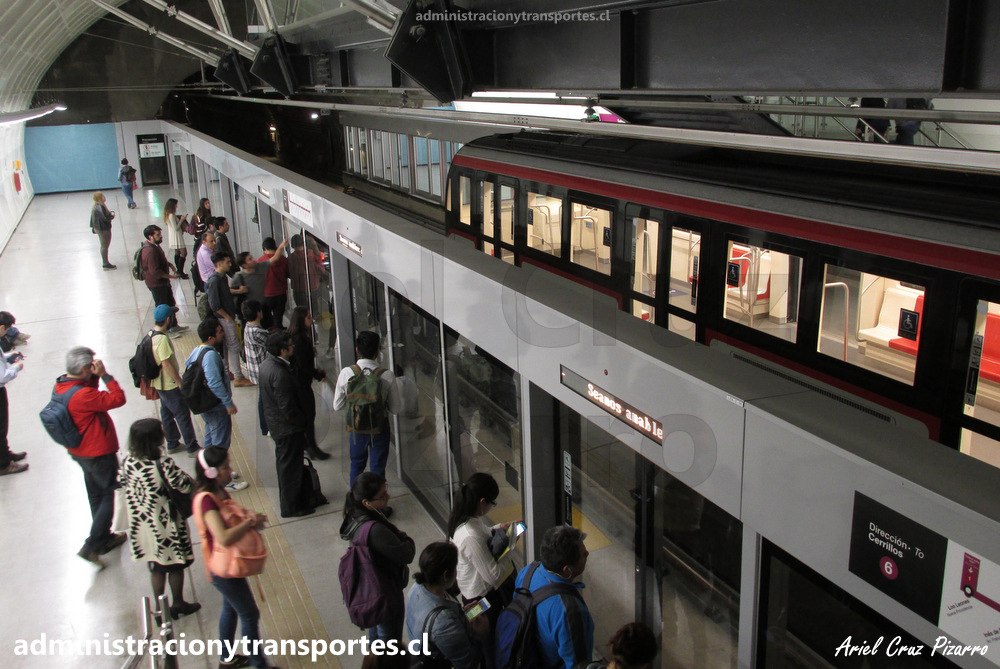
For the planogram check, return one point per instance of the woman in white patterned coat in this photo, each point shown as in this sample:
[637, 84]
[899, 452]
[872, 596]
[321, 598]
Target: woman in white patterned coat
[159, 535]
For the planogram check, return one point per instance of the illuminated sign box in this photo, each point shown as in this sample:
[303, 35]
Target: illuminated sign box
[263, 191]
[618, 408]
[348, 243]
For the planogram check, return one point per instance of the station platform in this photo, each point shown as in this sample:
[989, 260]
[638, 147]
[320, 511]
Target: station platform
[51, 279]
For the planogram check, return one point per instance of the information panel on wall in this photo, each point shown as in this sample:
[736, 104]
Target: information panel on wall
[623, 411]
[942, 581]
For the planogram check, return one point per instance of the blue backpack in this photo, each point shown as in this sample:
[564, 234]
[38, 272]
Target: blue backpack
[371, 595]
[516, 628]
[58, 422]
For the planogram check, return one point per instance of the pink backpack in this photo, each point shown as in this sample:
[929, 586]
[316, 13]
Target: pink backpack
[244, 558]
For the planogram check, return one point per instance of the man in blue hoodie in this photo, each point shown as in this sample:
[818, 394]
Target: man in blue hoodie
[218, 419]
[565, 628]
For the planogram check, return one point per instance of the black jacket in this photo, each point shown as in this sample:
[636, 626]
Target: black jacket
[285, 405]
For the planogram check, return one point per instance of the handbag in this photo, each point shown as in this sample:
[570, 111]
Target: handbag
[180, 502]
[120, 519]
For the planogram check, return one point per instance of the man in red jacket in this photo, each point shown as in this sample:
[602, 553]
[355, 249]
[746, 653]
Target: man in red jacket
[96, 454]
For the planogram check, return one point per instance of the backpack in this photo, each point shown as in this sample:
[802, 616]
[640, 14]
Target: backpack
[128, 174]
[245, 557]
[195, 393]
[58, 422]
[203, 306]
[138, 271]
[143, 364]
[516, 627]
[370, 593]
[366, 411]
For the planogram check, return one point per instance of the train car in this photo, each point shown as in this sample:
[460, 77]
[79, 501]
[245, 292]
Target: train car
[880, 280]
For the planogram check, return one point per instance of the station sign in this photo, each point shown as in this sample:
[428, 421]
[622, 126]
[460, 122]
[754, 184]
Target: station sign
[348, 243]
[617, 407]
[297, 207]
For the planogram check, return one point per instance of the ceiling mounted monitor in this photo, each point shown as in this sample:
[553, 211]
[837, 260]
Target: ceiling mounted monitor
[232, 71]
[430, 51]
[273, 67]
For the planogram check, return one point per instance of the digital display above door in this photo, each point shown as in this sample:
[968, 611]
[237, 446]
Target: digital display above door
[618, 408]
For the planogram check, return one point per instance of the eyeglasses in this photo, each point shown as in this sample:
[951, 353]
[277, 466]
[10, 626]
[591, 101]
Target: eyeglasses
[384, 497]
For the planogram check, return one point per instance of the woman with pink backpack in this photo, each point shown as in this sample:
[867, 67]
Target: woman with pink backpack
[233, 550]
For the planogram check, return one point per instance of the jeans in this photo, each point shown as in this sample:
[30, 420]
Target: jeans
[176, 420]
[218, 427]
[105, 237]
[389, 629]
[260, 414]
[4, 424]
[127, 189]
[233, 348]
[377, 444]
[238, 601]
[165, 295]
[100, 475]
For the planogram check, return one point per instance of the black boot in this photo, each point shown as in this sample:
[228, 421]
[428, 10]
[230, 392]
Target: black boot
[179, 264]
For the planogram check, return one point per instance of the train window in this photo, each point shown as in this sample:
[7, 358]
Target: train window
[685, 257]
[590, 235]
[644, 311]
[871, 321]
[762, 288]
[447, 200]
[682, 326]
[377, 169]
[487, 248]
[487, 208]
[982, 387]
[404, 162]
[545, 223]
[646, 244]
[507, 218]
[363, 150]
[434, 165]
[465, 203]
[420, 159]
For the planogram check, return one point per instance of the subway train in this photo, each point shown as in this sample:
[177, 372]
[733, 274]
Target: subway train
[726, 503]
[881, 280]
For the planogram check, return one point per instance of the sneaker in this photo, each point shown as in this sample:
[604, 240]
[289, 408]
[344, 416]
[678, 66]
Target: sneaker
[114, 542]
[234, 486]
[174, 449]
[237, 662]
[13, 468]
[17, 457]
[242, 382]
[22, 338]
[174, 335]
[91, 557]
[109, 266]
[179, 328]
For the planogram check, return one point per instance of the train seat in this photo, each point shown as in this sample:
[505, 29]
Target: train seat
[741, 296]
[887, 327]
[989, 366]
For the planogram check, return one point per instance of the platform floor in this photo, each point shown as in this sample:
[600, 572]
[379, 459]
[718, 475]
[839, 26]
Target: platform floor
[52, 281]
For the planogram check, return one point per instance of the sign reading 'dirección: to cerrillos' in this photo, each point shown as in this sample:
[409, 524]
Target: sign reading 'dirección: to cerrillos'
[937, 578]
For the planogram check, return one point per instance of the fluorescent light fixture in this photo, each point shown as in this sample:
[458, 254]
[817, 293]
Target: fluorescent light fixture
[10, 118]
[314, 116]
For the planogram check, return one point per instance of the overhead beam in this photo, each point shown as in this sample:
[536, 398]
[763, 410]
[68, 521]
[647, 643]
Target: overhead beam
[266, 15]
[380, 15]
[221, 17]
[209, 58]
[245, 48]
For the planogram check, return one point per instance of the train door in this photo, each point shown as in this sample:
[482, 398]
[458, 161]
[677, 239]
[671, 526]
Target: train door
[497, 205]
[979, 372]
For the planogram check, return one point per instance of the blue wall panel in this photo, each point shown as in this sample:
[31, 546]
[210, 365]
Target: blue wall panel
[63, 158]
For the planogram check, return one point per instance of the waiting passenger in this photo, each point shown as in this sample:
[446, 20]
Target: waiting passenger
[276, 283]
[250, 282]
[223, 307]
[203, 257]
[158, 532]
[255, 350]
[633, 646]
[11, 365]
[221, 521]
[304, 365]
[431, 610]
[392, 550]
[368, 426]
[100, 224]
[565, 628]
[480, 574]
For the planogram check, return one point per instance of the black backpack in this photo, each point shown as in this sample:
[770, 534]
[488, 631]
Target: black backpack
[516, 628]
[58, 422]
[143, 364]
[195, 393]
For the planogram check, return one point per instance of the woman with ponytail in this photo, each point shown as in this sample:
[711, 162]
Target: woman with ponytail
[432, 611]
[175, 235]
[479, 573]
[392, 551]
[221, 521]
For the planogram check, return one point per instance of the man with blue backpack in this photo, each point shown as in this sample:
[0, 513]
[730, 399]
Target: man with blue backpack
[548, 623]
[90, 436]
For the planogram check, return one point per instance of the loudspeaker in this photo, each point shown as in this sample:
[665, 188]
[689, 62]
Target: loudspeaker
[232, 71]
[273, 67]
[431, 52]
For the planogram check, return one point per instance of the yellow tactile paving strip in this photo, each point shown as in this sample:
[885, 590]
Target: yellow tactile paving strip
[287, 609]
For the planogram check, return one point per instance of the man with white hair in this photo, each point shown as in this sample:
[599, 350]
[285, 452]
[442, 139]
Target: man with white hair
[88, 407]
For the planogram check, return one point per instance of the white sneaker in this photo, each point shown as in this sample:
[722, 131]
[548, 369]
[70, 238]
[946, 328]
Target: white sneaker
[233, 486]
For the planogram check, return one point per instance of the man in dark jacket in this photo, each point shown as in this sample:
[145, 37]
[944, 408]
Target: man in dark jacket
[284, 412]
[96, 453]
[157, 274]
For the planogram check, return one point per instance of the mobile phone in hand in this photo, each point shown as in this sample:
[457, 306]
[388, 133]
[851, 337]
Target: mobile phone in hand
[476, 609]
